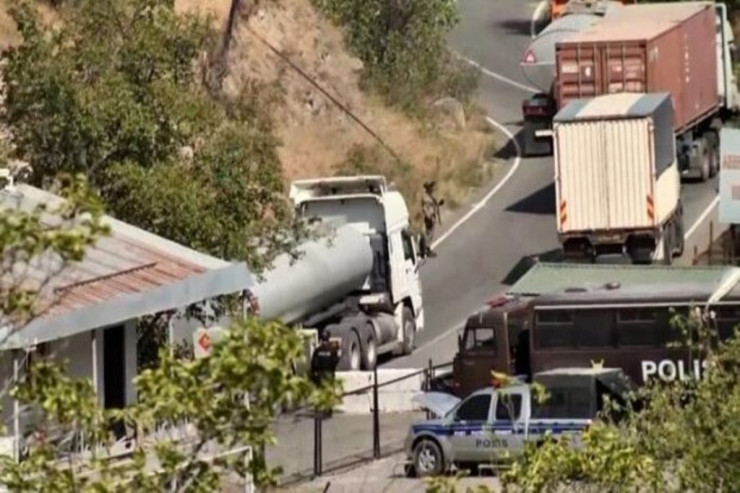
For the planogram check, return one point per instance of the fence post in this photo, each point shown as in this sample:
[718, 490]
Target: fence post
[318, 415]
[695, 261]
[376, 416]
[711, 242]
[430, 376]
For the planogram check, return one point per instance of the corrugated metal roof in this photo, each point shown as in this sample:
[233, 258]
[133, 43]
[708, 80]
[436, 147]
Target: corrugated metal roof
[545, 278]
[612, 105]
[118, 271]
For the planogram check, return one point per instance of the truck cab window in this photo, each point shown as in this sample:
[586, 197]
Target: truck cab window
[408, 246]
[480, 338]
[476, 408]
[508, 407]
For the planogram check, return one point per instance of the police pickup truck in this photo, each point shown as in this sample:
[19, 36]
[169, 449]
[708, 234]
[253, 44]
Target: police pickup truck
[493, 424]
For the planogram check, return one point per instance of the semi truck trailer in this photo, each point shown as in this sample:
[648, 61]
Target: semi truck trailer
[359, 280]
[617, 181]
[685, 49]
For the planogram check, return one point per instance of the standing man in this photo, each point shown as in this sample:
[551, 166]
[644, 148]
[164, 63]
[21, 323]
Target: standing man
[430, 208]
[324, 365]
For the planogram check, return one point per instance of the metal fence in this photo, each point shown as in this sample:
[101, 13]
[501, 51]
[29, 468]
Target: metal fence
[310, 444]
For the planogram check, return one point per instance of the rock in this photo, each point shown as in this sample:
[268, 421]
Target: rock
[453, 109]
[186, 153]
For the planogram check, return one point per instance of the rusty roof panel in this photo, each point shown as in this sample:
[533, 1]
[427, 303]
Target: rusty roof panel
[129, 261]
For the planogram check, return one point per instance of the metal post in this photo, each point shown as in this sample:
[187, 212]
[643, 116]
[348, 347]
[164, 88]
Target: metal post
[317, 443]
[711, 241]
[248, 480]
[16, 407]
[376, 416]
[696, 255]
[430, 376]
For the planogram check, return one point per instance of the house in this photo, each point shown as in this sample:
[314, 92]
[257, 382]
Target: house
[89, 309]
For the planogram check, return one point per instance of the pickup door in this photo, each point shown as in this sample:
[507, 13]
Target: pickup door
[487, 426]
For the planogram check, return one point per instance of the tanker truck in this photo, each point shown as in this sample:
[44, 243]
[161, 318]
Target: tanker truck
[685, 49]
[358, 280]
[538, 68]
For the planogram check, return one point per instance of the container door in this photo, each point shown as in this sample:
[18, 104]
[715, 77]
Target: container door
[605, 173]
[579, 73]
[623, 68]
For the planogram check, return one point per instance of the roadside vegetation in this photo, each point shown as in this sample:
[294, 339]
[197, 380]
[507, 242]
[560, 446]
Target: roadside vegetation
[682, 436]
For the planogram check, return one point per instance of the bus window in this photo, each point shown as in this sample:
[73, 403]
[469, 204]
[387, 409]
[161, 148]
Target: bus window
[480, 338]
[579, 329]
[554, 329]
[638, 327]
[727, 318]
[593, 328]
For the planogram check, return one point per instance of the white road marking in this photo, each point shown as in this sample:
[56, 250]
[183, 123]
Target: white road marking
[701, 218]
[500, 77]
[536, 17]
[480, 204]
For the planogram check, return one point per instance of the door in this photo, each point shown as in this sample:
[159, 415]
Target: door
[411, 270]
[470, 427]
[508, 426]
[399, 282]
[114, 373]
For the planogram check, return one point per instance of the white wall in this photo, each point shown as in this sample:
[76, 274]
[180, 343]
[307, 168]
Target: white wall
[76, 351]
[395, 397]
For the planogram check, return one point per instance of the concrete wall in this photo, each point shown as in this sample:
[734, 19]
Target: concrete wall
[395, 397]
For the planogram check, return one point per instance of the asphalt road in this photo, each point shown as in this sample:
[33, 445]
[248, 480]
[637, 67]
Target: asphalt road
[476, 261]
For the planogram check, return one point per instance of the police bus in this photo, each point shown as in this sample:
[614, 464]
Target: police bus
[627, 326]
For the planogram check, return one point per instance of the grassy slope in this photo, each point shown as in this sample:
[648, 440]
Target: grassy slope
[315, 133]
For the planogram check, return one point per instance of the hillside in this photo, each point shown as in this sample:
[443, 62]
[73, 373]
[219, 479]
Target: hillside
[316, 134]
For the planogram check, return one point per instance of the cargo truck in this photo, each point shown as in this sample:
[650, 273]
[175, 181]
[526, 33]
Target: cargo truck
[685, 49]
[617, 181]
[360, 283]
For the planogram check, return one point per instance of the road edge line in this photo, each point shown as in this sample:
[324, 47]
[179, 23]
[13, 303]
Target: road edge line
[481, 203]
[698, 222]
[499, 77]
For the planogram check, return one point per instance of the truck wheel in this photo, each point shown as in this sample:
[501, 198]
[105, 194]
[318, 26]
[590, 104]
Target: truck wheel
[705, 154]
[668, 241]
[712, 145]
[428, 459]
[369, 350]
[409, 331]
[351, 359]
[680, 233]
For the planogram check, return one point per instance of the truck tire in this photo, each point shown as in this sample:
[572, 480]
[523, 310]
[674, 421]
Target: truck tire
[704, 160]
[711, 143]
[409, 330]
[369, 349]
[680, 232]
[669, 233]
[428, 458]
[351, 359]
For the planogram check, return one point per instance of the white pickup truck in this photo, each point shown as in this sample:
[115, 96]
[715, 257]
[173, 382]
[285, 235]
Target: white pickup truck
[493, 424]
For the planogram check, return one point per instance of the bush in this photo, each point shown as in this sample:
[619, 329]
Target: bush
[403, 47]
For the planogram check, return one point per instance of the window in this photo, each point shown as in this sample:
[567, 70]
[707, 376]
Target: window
[476, 408]
[408, 246]
[558, 329]
[638, 327]
[480, 338]
[727, 319]
[508, 407]
[564, 403]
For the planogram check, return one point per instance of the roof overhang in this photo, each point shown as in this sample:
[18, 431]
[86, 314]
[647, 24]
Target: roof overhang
[215, 282]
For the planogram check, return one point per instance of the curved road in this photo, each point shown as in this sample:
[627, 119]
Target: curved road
[517, 220]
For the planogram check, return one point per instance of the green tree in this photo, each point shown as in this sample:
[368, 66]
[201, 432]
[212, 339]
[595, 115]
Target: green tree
[685, 436]
[403, 46]
[114, 91]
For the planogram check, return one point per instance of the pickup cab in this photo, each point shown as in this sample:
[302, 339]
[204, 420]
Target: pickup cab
[493, 424]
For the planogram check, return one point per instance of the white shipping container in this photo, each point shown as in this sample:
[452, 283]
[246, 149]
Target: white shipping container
[615, 165]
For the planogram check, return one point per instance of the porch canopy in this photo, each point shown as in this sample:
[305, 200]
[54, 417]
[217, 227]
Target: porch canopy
[125, 275]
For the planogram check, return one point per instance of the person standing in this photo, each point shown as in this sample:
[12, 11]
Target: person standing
[430, 209]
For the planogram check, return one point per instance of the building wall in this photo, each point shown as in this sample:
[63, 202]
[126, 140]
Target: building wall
[76, 351]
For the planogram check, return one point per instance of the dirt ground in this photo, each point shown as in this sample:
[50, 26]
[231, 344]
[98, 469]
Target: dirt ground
[454, 148]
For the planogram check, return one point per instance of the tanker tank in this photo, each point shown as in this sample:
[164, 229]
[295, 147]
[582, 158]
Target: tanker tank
[325, 272]
[538, 61]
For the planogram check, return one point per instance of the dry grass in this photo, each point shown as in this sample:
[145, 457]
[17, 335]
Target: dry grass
[316, 135]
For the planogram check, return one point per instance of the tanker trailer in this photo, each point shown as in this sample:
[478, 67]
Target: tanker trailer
[538, 68]
[360, 282]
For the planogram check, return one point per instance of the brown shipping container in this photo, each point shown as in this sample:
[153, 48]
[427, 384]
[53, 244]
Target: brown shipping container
[665, 47]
